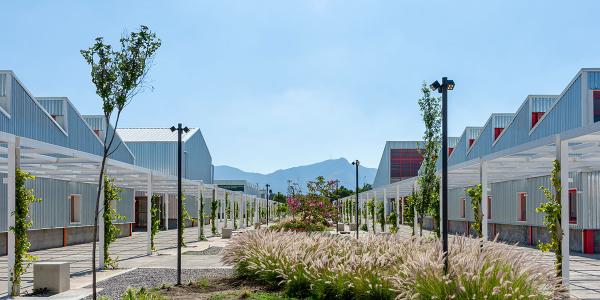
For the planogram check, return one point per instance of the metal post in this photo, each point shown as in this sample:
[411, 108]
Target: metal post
[484, 197]
[564, 212]
[445, 171]
[149, 215]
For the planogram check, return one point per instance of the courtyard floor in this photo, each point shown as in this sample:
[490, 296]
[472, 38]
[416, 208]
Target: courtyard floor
[131, 253]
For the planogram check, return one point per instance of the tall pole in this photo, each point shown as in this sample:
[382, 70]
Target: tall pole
[179, 130]
[356, 163]
[445, 171]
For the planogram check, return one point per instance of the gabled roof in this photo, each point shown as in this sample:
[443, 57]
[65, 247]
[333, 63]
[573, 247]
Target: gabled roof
[152, 134]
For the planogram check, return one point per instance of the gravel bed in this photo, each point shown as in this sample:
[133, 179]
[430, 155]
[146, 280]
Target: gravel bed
[151, 277]
[212, 250]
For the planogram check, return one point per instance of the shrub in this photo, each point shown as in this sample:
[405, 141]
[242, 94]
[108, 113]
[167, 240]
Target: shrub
[141, 294]
[323, 266]
[364, 227]
[298, 225]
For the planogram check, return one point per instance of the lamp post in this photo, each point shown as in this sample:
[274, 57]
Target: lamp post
[356, 163]
[180, 130]
[443, 89]
[268, 186]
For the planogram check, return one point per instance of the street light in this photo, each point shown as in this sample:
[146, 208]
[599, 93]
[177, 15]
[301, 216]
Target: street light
[447, 85]
[356, 163]
[180, 130]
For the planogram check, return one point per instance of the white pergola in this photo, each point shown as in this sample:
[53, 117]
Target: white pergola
[576, 150]
[51, 161]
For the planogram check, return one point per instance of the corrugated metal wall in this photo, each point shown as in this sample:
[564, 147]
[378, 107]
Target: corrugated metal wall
[198, 164]
[594, 80]
[158, 156]
[54, 210]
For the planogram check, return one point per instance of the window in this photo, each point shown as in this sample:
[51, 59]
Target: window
[450, 149]
[497, 132]
[522, 207]
[75, 203]
[596, 106]
[573, 206]
[471, 142]
[97, 132]
[404, 163]
[535, 117]
[3, 85]
[463, 204]
[489, 207]
[4, 102]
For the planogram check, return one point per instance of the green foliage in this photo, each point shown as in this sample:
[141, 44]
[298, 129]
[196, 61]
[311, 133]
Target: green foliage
[185, 217]
[141, 294]
[24, 197]
[297, 225]
[155, 220]
[236, 211]
[248, 212]
[381, 214]
[281, 210]
[214, 205]
[475, 195]
[430, 107]
[202, 237]
[364, 227]
[227, 209]
[409, 210]
[365, 214]
[279, 197]
[392, 218]
[371, 209]
[111, 231]
[552, 217]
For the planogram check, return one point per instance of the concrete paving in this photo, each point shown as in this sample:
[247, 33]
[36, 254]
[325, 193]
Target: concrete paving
[131, 253]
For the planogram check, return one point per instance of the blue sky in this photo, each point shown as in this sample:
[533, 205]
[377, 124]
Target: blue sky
[274, 84]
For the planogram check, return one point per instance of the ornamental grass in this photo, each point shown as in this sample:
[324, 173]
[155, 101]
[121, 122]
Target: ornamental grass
[326, 266]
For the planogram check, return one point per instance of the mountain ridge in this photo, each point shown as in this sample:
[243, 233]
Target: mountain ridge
[340, 169]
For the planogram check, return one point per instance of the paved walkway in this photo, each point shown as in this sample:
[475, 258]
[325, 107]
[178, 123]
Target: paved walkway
[131, 253]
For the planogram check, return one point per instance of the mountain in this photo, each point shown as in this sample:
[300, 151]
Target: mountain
[340, 169]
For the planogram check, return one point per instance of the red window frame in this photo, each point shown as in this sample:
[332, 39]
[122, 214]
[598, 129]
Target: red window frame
[463, 207]
[489, 207]
[522, 207]
[596, 100]
[497, 132]
[535, 117]
[573, 206]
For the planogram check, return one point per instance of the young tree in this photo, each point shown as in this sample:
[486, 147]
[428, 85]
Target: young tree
[118, 75]
[409, 209]
[214, 205]
[429, 182]
[155, 211]
[112, 193]
[202, 237]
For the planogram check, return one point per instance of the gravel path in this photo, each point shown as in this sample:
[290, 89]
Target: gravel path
[116, 286]
[212, 250]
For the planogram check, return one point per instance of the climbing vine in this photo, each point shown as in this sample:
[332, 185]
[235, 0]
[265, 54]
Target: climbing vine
[236, 211]
[365, 226]
[371, 208]
[475, 195]
[185, 216]
[227, 209]
[23, 199]
[552, 217]
[111, 231]
[381, 214]
[248, 209]
[214, 205]
[409, 210]
[155, 220]
[201, 219]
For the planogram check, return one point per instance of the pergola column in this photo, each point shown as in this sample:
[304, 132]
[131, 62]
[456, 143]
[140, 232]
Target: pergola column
[385, 207]
[398, 206]
[563, 156]
[166, 201]
[200, 224]
[13, 164]
[483, 172]
[240, 211]
[101, 228]
[255, 210]
[149, 215]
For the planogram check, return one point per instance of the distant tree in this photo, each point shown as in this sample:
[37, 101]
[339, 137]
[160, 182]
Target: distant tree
[343, 192]
[279, 197]
[365, 187]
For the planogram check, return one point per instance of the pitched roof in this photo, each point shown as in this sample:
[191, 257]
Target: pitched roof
[152, 134]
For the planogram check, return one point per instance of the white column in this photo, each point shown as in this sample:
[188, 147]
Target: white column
[563, 151]
[484, 196]
[398, 206]
[166, 198]
[240, 211]
[255, 205]
[200, 224]
[13, 164]
[149, 215]
[385, 207]
[101, 228]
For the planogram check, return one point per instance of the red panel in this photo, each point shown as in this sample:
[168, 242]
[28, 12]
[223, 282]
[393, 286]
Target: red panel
[471, 142]
[489, 207]
[535, 117]
[522, 207]
[450, 149]
[497, 132]
[404, 163]
[530, 236]
[573, 206]
[588, 241]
